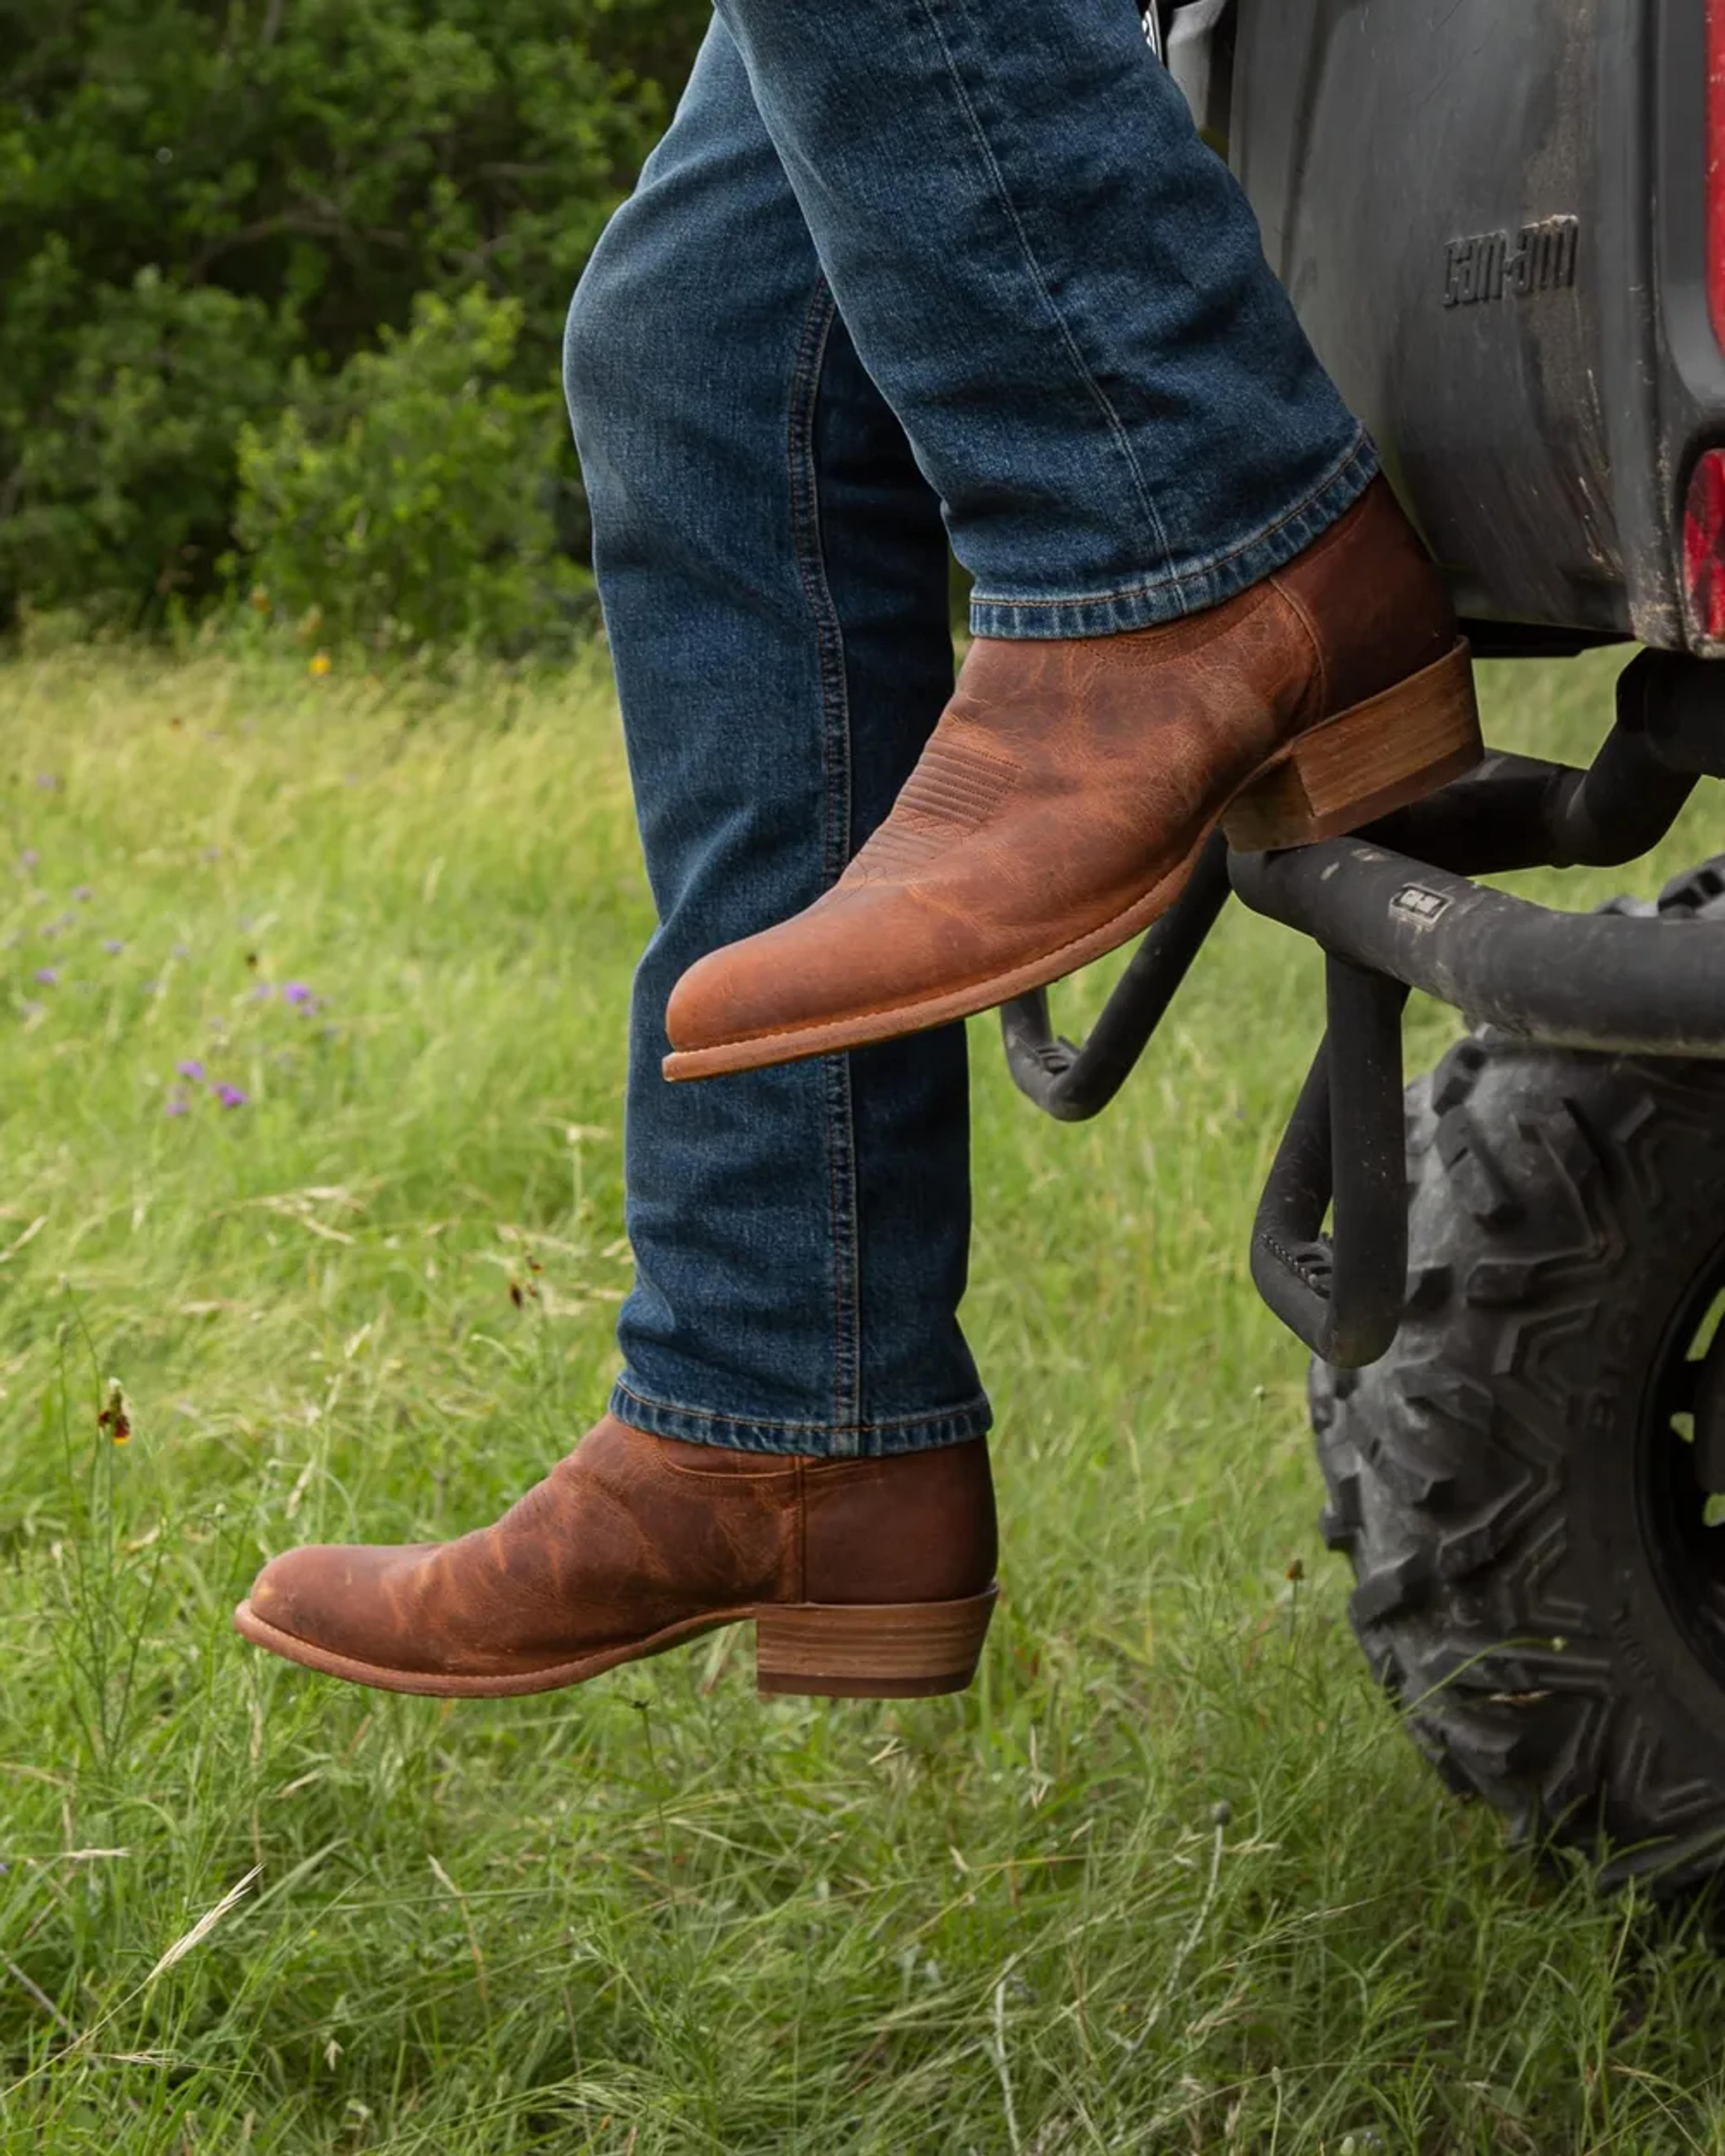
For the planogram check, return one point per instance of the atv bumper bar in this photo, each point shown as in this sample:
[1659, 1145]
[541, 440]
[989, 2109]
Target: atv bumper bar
[1394, 908]
[1618, 984]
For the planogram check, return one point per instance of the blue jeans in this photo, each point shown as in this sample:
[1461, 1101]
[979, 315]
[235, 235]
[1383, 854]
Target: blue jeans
[902, 271]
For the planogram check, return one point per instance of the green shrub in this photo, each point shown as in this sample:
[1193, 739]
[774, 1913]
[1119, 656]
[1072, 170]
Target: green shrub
[408, 499]
[126, 489]
[194, 195]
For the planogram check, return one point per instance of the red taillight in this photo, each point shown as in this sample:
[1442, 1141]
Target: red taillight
[1716, 166]
[1704, 546]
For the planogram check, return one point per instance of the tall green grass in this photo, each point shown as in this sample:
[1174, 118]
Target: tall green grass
[1169, 1877]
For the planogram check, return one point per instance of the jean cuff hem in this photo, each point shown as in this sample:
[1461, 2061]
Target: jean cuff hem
[827, 1440]
[1172, 595]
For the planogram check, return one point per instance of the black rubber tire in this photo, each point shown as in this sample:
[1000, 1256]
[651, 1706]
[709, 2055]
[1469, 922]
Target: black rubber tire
[1534, 1574]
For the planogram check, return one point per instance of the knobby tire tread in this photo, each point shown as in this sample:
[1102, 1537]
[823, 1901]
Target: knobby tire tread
[1559, 1206]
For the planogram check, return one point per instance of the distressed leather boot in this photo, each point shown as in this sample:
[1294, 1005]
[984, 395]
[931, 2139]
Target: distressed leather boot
[864, 1578]
[1063, 798]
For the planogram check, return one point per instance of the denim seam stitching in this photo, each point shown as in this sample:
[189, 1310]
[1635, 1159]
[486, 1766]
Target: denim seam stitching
[1198, 570]
[804, 477]
[977, 1405]
[1115, 424]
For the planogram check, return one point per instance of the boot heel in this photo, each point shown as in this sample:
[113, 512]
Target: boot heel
[870, 1651]
[1379, 756]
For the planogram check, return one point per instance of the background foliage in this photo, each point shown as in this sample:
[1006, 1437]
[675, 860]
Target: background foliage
[209, 210]
[389, 499]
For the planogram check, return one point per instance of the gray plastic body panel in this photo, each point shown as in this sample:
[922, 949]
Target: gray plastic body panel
[1490, 217]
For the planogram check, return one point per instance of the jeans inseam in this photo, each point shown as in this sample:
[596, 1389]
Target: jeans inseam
[804, 474]
[978, 134]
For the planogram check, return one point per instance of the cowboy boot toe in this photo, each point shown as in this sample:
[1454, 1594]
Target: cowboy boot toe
[343, 1600]
[735, 998]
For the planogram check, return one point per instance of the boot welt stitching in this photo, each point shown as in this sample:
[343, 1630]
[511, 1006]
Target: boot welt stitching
[545, 1676]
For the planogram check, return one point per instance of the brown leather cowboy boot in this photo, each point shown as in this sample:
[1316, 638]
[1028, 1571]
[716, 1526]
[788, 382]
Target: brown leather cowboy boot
[864, 1579]
[1062, 799]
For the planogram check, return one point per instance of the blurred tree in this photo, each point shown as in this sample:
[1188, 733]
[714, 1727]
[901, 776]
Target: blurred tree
[196, 194]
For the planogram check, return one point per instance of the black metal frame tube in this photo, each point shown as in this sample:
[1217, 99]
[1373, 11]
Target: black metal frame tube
[1604, 981]
[1514, 812]
[1071, 1083]
[1393, 909]
[1344, 1146]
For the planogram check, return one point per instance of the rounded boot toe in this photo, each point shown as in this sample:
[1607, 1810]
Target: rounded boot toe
[719, 999]
[855, 949]
[338, 1597]
[293, 1594]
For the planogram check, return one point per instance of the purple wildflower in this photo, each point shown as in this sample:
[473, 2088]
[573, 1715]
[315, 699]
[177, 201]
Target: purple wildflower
[151, 987]
[47, 781]
[48, 975]
[29, 857]
[177, 1105]
[112, 945]
[182, 950]
[296, 992]
[230, 1096]
[262, 992]
[82, 894]
[191, 1068]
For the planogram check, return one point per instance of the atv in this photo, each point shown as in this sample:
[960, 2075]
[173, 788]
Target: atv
[1503, 227]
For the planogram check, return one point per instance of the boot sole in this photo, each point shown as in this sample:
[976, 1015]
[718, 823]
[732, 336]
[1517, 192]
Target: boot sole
[1366, 761]
[814, 1650]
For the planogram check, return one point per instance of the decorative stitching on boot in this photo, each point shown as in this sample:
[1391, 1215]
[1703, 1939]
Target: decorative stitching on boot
[956, 787]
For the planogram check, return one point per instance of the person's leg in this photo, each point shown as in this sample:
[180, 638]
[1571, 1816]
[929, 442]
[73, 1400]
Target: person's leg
[774, 578]
[797, 1437]
[1062, 293]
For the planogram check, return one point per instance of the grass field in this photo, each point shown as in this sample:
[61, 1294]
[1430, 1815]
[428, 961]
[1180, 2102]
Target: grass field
[1169, 1877]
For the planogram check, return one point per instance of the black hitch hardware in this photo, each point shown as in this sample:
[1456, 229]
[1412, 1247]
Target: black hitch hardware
[1344, 1146]
[1394, 908]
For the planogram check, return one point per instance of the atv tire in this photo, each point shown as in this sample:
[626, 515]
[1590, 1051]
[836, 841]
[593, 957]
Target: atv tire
[1519, 1482]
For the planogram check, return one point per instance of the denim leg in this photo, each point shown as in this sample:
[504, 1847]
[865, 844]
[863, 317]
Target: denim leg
[1063, 295]
[772, 570]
